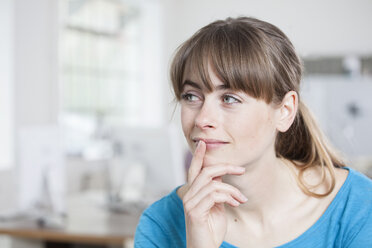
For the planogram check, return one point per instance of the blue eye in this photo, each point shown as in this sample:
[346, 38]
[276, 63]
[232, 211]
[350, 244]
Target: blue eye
[230, 99]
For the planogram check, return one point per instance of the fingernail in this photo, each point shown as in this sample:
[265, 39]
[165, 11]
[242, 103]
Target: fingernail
[197, 145]
[243, 197]
[240, 169]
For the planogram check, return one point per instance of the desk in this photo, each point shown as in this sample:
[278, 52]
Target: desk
[88, 222]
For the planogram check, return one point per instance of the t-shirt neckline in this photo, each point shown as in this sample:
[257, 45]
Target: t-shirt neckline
[312, 228]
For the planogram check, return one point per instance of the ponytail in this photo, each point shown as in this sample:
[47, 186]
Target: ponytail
[305, 145]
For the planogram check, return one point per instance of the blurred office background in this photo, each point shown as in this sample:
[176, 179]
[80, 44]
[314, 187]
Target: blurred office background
[86, 108]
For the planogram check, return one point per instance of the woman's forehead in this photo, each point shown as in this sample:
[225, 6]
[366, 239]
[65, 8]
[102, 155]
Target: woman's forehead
[193, 78]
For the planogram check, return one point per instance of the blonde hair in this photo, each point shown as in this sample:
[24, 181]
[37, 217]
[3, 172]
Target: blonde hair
[257, 58]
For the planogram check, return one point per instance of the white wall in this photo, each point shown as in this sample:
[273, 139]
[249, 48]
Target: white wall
[7, 198]
[29, 68]
[36, 69]
[315, 27]
[6, 84]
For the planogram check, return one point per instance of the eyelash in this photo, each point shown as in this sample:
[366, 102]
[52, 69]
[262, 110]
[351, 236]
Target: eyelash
[229, 96]
[186, 97]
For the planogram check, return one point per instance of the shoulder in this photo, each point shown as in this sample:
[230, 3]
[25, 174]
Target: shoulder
[356, 192]
[360, 178]
[161, 223]
[356, 208]
[164, 208]
[347, 221]
[359, 186]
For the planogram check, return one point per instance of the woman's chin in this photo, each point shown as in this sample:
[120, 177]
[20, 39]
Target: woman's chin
[213, 161]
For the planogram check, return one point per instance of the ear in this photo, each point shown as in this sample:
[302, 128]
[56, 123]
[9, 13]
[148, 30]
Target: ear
[287, 111]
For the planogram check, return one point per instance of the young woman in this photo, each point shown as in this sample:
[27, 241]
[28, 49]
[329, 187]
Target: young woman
[262, 174]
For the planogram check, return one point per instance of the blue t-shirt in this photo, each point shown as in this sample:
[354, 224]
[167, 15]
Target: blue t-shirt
[347, 222]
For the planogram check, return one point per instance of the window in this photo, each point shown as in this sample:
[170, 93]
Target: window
[106, 47]
[100, 59]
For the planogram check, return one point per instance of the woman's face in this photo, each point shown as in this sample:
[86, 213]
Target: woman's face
[237, 129]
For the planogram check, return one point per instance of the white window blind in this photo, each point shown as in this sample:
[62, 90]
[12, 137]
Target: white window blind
[100, 53]
[110, 61]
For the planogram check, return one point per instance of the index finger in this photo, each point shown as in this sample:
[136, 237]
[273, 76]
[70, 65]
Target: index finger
[196, 162]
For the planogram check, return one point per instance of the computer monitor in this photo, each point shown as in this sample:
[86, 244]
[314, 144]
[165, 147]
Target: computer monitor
[40, 167]
[151, 159]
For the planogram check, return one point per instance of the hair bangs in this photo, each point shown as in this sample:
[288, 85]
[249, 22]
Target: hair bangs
[198, 63]
[239, 62]
[234, 55]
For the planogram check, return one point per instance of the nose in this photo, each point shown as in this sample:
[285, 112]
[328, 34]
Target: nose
[208, 116]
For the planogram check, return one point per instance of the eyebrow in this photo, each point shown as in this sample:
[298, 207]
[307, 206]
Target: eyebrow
[197, 86]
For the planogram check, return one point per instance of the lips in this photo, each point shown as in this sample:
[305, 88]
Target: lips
[211, 143]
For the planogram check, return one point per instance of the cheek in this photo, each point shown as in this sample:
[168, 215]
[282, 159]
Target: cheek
[256, 131]
[187, 121]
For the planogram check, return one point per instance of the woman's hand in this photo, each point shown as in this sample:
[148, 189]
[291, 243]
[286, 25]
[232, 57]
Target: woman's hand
[206, 221]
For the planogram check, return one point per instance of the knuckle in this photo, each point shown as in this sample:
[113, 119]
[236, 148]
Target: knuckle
[207, 172]
[214, 195]
[192, 215]
[231, 188]
[214, 185]
[187, 206]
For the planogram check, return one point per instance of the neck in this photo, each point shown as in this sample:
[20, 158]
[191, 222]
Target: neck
[269, 186]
